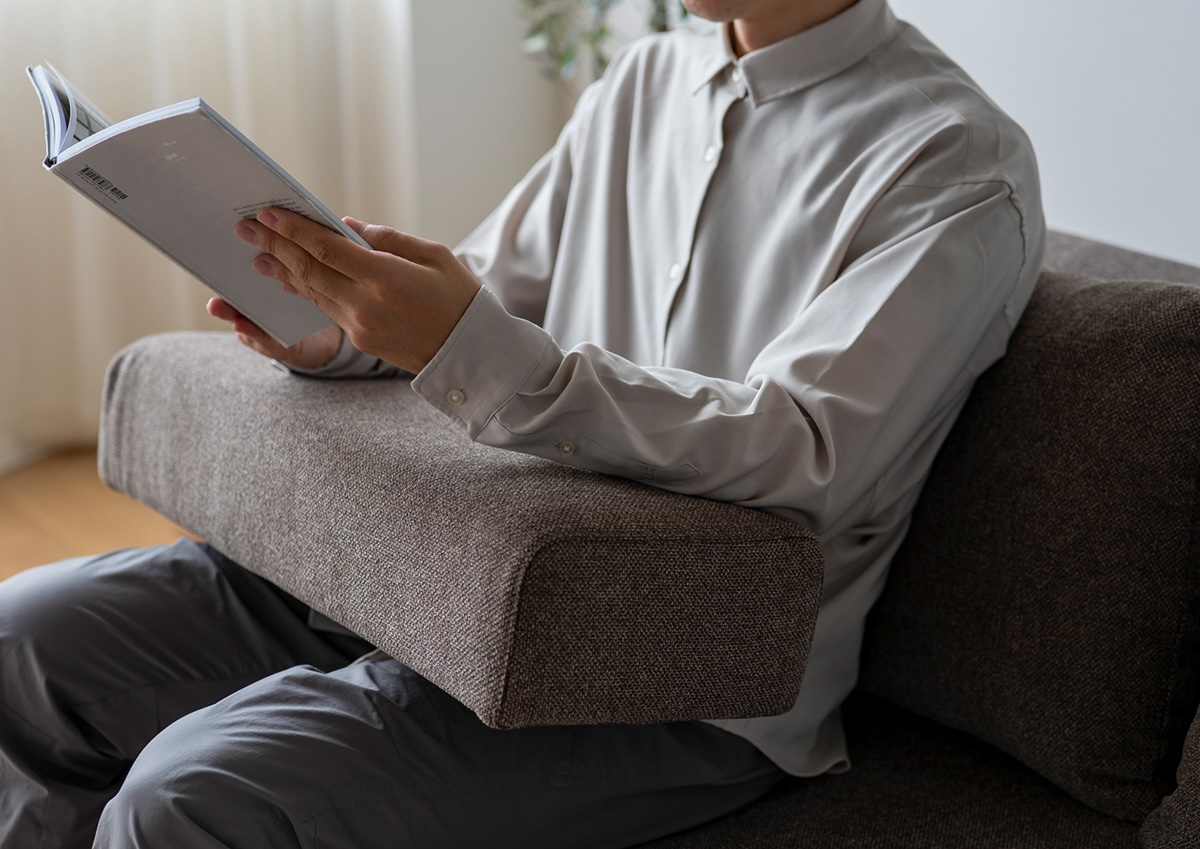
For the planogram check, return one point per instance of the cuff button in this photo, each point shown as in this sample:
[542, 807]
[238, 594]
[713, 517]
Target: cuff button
[566, 448]
[456, 397]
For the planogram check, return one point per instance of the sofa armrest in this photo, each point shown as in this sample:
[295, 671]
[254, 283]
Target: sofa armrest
[532, 592]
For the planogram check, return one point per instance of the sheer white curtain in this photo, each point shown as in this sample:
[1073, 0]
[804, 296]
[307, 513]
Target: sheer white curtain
[325, 87]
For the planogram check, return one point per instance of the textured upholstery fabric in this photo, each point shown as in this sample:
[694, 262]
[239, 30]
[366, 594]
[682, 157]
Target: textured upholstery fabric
[1176, 822]
[914, 785]
[533, 593]
[1076, 255]
[1047, 598]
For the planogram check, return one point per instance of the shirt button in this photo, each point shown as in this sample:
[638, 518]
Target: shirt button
[710, 153]
[676, 270]
[566, 448]
[456, 397]
[736, 74]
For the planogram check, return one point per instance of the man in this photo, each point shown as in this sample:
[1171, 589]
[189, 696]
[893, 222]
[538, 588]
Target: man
[764, 267]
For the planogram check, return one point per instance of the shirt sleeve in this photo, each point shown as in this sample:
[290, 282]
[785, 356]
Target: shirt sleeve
[935, 280]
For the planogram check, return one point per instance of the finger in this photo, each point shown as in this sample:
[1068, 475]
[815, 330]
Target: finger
[321, 244]
[248, 333]
[299, 273]
[220, 308]
[403, 245]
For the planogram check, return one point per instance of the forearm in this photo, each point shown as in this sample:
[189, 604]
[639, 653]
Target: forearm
[746, 443]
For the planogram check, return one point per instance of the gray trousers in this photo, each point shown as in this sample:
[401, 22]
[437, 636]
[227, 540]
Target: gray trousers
[169, 698]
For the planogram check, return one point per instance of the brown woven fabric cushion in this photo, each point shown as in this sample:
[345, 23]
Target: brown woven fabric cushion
[1176, 822]
[533, 593]
[1047, 598]
[1076, 255]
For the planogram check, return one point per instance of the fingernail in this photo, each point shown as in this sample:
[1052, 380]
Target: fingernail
[246, 234]
[262, 266]
[267, 217]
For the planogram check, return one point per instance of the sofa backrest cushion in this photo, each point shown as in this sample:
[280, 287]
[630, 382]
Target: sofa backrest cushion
[1047, 598]
[1077, 255]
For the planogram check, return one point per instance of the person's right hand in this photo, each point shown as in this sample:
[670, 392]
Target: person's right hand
[310, 353]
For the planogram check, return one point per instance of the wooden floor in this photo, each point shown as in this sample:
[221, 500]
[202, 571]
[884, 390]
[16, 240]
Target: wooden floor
[58, 508]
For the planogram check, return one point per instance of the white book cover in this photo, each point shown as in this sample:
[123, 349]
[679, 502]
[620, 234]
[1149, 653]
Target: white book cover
[182, 177]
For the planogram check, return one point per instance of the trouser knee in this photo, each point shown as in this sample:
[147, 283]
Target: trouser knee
[199, 785]
[56, 769]
[157, 804]
[43, 635]
[88, 643]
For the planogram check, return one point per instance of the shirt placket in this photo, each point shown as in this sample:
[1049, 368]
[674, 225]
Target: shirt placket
[726, 90]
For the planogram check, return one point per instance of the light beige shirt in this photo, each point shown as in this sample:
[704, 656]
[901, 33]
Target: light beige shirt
[770, 281]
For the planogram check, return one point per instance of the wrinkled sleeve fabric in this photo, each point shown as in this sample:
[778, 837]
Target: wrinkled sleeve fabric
[828, 404]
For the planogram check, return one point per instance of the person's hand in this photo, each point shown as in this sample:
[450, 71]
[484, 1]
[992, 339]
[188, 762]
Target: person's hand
[398, 300]
[310, 353]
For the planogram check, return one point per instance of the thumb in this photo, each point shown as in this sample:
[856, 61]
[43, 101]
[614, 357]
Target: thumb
[392, 241]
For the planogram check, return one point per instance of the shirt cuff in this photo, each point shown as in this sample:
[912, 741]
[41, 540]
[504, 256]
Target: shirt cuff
[485, 361]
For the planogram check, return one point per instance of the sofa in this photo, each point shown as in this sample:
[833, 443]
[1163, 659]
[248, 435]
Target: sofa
[1030, 676]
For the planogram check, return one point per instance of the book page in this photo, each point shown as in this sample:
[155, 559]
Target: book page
[70, 116]
[87, 122]
[56, 107]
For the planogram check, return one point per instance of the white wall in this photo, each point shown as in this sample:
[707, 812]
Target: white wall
[484, 113]
[1109, 91]
[14, 455]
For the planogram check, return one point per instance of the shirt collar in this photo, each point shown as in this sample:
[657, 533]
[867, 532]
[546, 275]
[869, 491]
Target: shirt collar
[807, 58]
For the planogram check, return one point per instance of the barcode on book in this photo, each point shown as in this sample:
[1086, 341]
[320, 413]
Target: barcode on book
[106, 186]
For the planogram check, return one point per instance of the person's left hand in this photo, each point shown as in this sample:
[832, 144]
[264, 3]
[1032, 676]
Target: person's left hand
[398, 301]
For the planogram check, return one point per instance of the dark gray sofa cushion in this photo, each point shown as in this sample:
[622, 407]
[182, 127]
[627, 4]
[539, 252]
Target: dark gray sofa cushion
[1047, 598]
[914, 785]
[1077, 255]
[533, 593]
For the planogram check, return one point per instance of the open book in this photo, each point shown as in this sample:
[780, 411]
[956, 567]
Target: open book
[182, 176]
